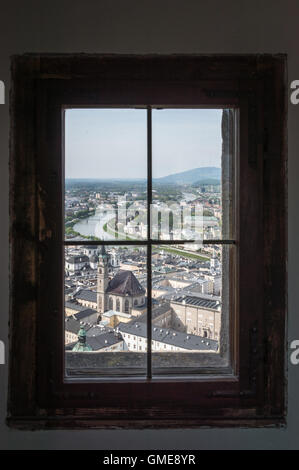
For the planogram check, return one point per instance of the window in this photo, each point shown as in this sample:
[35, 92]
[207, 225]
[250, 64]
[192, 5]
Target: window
[164, 230]
[244, 382]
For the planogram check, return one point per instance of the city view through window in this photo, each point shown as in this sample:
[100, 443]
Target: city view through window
[147, 238]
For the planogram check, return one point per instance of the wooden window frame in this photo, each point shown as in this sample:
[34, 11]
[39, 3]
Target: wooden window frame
[252, 393]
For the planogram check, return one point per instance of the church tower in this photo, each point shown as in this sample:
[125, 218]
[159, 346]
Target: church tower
[103, 280]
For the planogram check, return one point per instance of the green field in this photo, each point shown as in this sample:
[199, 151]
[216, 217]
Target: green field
[183, 253]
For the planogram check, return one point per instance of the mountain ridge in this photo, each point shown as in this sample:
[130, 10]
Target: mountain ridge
[192, 176]
[196, 175]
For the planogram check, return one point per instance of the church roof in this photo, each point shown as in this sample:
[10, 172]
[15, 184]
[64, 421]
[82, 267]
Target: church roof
[125, 283]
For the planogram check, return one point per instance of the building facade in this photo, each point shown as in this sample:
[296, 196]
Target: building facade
[196, 315]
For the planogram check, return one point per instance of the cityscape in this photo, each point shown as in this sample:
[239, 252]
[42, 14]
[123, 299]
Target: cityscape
[106, 299]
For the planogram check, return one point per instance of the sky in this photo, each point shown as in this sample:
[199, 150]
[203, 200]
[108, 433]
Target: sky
[112, 143]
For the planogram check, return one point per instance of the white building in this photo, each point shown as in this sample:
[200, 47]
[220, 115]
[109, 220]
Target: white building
[76, 263]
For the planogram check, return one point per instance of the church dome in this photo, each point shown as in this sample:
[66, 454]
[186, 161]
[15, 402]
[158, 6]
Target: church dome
[81, 346]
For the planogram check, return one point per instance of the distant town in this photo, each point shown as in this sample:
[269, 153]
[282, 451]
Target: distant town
[106, 286]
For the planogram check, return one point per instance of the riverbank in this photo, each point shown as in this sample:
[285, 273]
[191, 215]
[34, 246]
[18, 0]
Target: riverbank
[109, 229]
[69, 226]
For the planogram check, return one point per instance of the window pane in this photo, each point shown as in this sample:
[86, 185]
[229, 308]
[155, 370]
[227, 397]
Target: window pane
[105, 174]
[192, 175]
[105, 296]
[191, 302]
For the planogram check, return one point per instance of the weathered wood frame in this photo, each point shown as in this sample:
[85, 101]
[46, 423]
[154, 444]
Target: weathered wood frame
[254, 393]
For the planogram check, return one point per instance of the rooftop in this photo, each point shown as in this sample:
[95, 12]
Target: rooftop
[111, 313]
[197, 302]
[85, 314]
[125, 283]
[158, 310]
[74, 306]
[77, 259]
[170, 336]
[86, 294]
[103, 340]
[73, 325]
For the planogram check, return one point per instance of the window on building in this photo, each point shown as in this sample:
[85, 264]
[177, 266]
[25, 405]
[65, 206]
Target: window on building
[126, 306]
[145, 128]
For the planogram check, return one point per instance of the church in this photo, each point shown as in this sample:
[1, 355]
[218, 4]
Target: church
[121, 293]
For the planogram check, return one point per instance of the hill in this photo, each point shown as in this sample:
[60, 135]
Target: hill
[197, 175]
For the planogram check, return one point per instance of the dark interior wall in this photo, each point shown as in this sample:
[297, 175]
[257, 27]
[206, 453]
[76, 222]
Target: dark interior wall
[152, 26]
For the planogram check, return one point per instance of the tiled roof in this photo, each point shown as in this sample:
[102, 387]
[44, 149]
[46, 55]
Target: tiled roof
[86, 294]
[125, 283]
[88, 312]
[77, 259]
[156, 312]
[73, 326]
[198, 302]
[170, 336]
[74, 306]
[103, 340]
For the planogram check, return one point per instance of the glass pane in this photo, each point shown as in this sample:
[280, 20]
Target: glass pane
[190, 312]
[105, 174]
[105, 310]
[192, 174]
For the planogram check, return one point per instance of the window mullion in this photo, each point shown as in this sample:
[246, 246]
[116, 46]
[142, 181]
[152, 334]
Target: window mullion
[149, 246]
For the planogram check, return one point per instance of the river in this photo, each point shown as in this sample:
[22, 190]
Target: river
[94, 225]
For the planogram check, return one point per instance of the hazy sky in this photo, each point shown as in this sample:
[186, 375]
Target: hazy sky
[112, 143]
